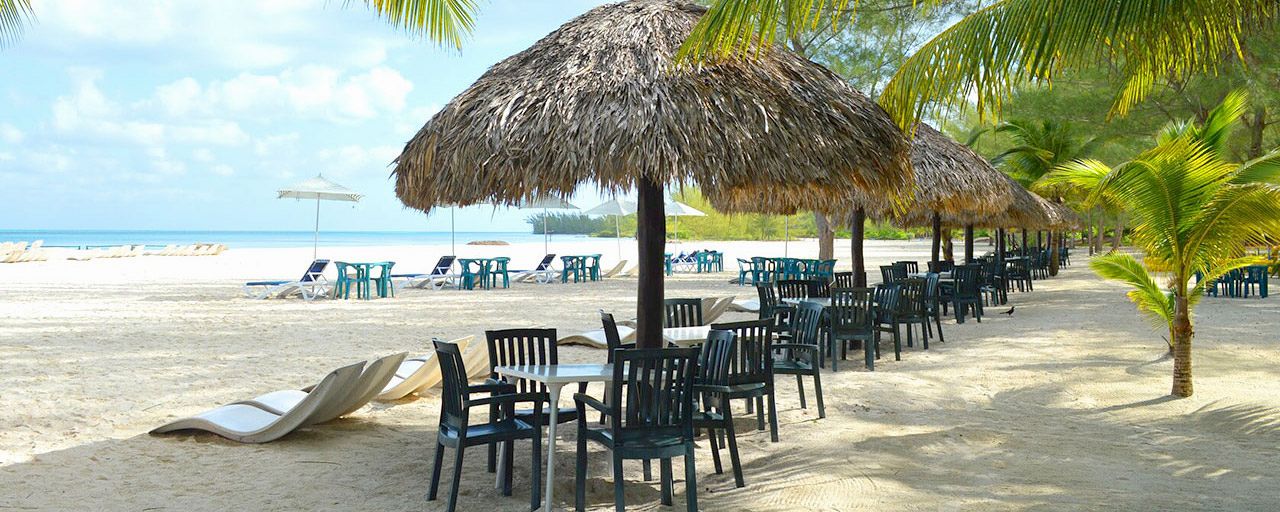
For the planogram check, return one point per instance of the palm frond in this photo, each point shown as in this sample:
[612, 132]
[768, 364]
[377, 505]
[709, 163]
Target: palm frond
[744, 28]
[1146, 293]
[990, 53]
[442, 21]
[13, 18]
[1264, 169]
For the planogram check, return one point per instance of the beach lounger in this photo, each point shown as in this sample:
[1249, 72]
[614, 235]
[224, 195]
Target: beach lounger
[417, 374]
[312, 284]
[596, 338]
[249, 424]
[745, 305]
[440, 276]
[543, 273]
[371, 382]
[15, 252]
[615, 270]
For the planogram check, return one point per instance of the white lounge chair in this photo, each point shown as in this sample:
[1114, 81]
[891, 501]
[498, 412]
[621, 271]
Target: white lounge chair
[371, 382]
[745, 305]
[249, 424]
[418, 374]
[617, 269]
[440, 276]
[596, 339]
[312, 284]
[543, 273]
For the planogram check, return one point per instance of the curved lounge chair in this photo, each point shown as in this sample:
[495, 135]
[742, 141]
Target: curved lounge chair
[369, 384]
[312, 284]
[617, 269]
[249, 424]
[417, 374]
[596, 338]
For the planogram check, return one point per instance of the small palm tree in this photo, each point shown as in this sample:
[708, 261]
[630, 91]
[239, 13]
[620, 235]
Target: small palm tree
[1193, 213]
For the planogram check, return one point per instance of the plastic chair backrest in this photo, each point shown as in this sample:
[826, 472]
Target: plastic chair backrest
[753, 358]
[443, 266]
[682, 312]
[851, 311]
[517, 347]
[315, 271]
[453, 377]
[654, 390]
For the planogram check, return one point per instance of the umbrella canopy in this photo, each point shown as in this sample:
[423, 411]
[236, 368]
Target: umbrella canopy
[617, 208]
[678, 209]
[546, 203]
[320, 189]
[601, 99]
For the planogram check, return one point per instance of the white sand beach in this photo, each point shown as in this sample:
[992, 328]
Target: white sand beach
[1061, 406]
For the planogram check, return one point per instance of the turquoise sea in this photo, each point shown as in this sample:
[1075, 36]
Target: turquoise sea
[233, 239]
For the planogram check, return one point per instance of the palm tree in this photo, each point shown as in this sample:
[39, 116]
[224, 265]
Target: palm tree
[989, 53]
[1037, 149]
[442, 21]
[1193, 214]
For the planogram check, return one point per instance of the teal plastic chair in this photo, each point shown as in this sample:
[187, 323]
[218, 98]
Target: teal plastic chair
[702, 261]
[666, 264]
[593, 266]
[343, 287]
[472, 273]
[499, 268]
[383, 281]
[571, 268]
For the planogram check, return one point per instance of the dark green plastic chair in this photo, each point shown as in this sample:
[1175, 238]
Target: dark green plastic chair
[851, 318]
[968, 292]
[518, 347]
[801, 357]
[455, 430]
[886, 301]
[650, 416]
[711, 386]
[751, 373]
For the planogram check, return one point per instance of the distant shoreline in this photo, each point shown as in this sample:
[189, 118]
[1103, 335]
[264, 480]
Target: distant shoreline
[260, 239]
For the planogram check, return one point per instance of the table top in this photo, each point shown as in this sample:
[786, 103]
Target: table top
[686, 335]
[559, 373]
[941, 275]
[821, 301]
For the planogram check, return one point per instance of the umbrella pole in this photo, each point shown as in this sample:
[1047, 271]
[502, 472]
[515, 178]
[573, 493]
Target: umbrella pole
[857, 229]
[968, 244]
[786, 237]
[937, 239]
[651, 238]
[315, 240]
[546, 237]
[617, 231]
[453, 247]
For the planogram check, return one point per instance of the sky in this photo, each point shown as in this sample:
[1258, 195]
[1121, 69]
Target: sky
[189, 115]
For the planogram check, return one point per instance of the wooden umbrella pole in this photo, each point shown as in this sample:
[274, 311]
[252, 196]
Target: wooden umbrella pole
[968, 244]
[857, 228]
[937, 238]
[651, 238]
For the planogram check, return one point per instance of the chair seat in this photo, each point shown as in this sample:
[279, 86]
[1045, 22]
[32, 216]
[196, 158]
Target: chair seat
[648, 444]
[491, 432]
[791, 366]
[565, 415]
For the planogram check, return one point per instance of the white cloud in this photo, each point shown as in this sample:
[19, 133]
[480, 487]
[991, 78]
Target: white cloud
[356, 160]
[10, 134]
[222, 170]
[237, 34]
[88, 112]
[310, 92]
[273, 144]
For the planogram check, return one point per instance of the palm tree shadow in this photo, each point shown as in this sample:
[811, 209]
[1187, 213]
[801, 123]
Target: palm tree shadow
[1142, 403]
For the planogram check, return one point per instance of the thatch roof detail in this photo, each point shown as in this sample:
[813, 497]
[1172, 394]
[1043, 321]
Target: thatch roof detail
[600, 99]
[1027, 210]
[949, 178]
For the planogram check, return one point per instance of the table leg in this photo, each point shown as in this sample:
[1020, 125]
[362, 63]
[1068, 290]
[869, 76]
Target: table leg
[554, 391]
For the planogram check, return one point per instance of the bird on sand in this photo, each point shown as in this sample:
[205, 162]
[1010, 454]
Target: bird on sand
[1010, 311]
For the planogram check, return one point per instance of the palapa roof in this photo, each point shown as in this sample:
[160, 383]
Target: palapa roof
[1026, 210]
[948, 177]
[600, 99]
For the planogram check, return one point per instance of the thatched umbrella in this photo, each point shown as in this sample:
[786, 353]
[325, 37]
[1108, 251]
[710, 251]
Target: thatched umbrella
[601, 99]
[949, 178]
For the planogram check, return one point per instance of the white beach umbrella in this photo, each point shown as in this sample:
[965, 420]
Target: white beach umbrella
[617, 208]
[544, 204]
[319, 188]
[678, 209]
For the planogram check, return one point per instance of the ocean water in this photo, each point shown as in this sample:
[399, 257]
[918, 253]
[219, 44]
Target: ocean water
[268, 239]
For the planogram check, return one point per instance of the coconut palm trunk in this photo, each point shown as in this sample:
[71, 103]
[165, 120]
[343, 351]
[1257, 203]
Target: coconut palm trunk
[1054, 243]
[1119, 238]
[1182, 334]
